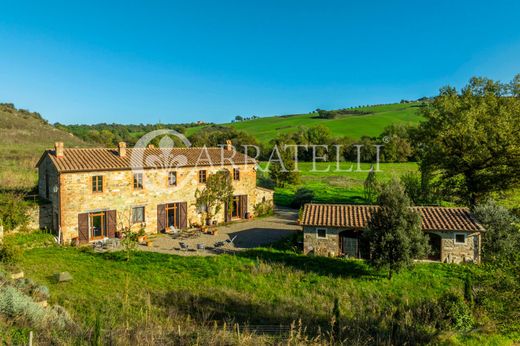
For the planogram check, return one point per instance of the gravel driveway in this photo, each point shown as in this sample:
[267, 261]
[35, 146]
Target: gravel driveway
[246, 234]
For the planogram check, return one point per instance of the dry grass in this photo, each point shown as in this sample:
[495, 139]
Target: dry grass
[23, 138]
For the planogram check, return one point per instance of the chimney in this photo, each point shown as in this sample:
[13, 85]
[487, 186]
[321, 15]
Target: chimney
[121, 149]
[58, 149]
[229, 145]
[150, 146]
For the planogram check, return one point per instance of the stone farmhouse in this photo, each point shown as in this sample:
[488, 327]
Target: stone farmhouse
[94, 192]
[336, 229]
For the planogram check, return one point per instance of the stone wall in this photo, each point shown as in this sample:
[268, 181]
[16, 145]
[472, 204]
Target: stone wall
[118, 193]
[44, 216]
[450, 251]
[40, 217]
[263, 194]
[459, 253]
[328, 246]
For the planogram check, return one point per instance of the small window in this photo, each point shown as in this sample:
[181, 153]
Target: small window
[138, 181]
[236, 174]
[137, 214]
[97, 183]
[321, 233]
[202, 176]
[172, 178]
[460, 238]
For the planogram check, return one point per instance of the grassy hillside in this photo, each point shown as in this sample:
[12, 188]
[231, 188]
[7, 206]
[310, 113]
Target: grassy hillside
[186, 300]
[23, 138]
[353, 126]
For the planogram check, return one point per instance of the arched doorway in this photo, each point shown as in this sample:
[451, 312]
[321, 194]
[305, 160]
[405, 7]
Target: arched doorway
[435, 242]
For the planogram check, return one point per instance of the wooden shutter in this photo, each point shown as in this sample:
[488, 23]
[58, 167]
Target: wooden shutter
[243, 206]
[227, 212]
[83, 228]
[161, 217]
[111, 223]
[183, 214]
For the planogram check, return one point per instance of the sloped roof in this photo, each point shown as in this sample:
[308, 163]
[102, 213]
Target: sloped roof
[357, 216]
[105, 159]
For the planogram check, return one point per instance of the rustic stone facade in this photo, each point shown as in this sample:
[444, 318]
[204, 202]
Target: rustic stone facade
[328, 246]
[450, 251]
[73, 194]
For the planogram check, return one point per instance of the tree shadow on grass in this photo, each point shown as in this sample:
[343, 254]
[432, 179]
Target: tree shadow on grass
[316, 264]
[404, 325]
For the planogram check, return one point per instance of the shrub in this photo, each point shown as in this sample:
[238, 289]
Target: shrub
[264, 208]
[13, 211]
[502, 236]
[456, 312]
[412, 186]
[16, 305]
[10, 254]
[301, 197]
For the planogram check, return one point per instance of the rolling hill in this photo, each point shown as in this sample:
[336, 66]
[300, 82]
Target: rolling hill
[24, 136]
[354, 126]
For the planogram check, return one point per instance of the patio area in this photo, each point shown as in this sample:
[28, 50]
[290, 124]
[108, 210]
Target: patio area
[237, 236]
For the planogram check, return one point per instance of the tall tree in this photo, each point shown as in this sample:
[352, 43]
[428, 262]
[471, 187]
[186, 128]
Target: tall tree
[501, 239]
[394, 232]
[469, 141]
[370, 186]
[216, 193]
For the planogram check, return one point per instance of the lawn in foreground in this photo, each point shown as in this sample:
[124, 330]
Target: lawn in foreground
[260, 286]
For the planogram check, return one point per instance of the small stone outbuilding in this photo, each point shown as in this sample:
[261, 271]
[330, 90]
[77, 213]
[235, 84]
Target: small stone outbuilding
[336, 230]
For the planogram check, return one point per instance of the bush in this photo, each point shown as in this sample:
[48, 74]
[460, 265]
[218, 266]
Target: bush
[264, 208]
[502, 237]
[13, 211]
[301, 197]
[456, 312]
[10, 254]
[15, 305]
[412, 186]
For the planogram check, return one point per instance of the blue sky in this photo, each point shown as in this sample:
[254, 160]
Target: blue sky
[170, 61]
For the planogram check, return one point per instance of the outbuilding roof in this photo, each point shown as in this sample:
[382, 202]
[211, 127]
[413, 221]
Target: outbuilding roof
[105, 159]
[357, 217]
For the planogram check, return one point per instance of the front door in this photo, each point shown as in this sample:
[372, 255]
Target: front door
[235, 209]
[172, 216]
[97, 226]
[350, 246]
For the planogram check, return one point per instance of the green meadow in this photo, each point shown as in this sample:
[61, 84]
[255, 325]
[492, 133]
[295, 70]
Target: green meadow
[333, 183]
[181, 295]
[355, 126]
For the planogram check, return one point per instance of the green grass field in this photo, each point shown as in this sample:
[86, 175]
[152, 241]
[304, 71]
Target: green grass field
[338, 187]
[354, 126]
[186, 295]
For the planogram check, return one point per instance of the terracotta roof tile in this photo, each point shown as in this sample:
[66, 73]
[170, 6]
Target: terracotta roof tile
[99, 159]
[357, 216]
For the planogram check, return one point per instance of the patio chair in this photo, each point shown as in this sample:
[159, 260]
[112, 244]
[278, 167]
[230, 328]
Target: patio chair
[184, 246]
[230, 241]
[218, 244]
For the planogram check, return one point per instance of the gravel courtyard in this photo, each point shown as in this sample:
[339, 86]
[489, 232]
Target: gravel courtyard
[246, 234]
